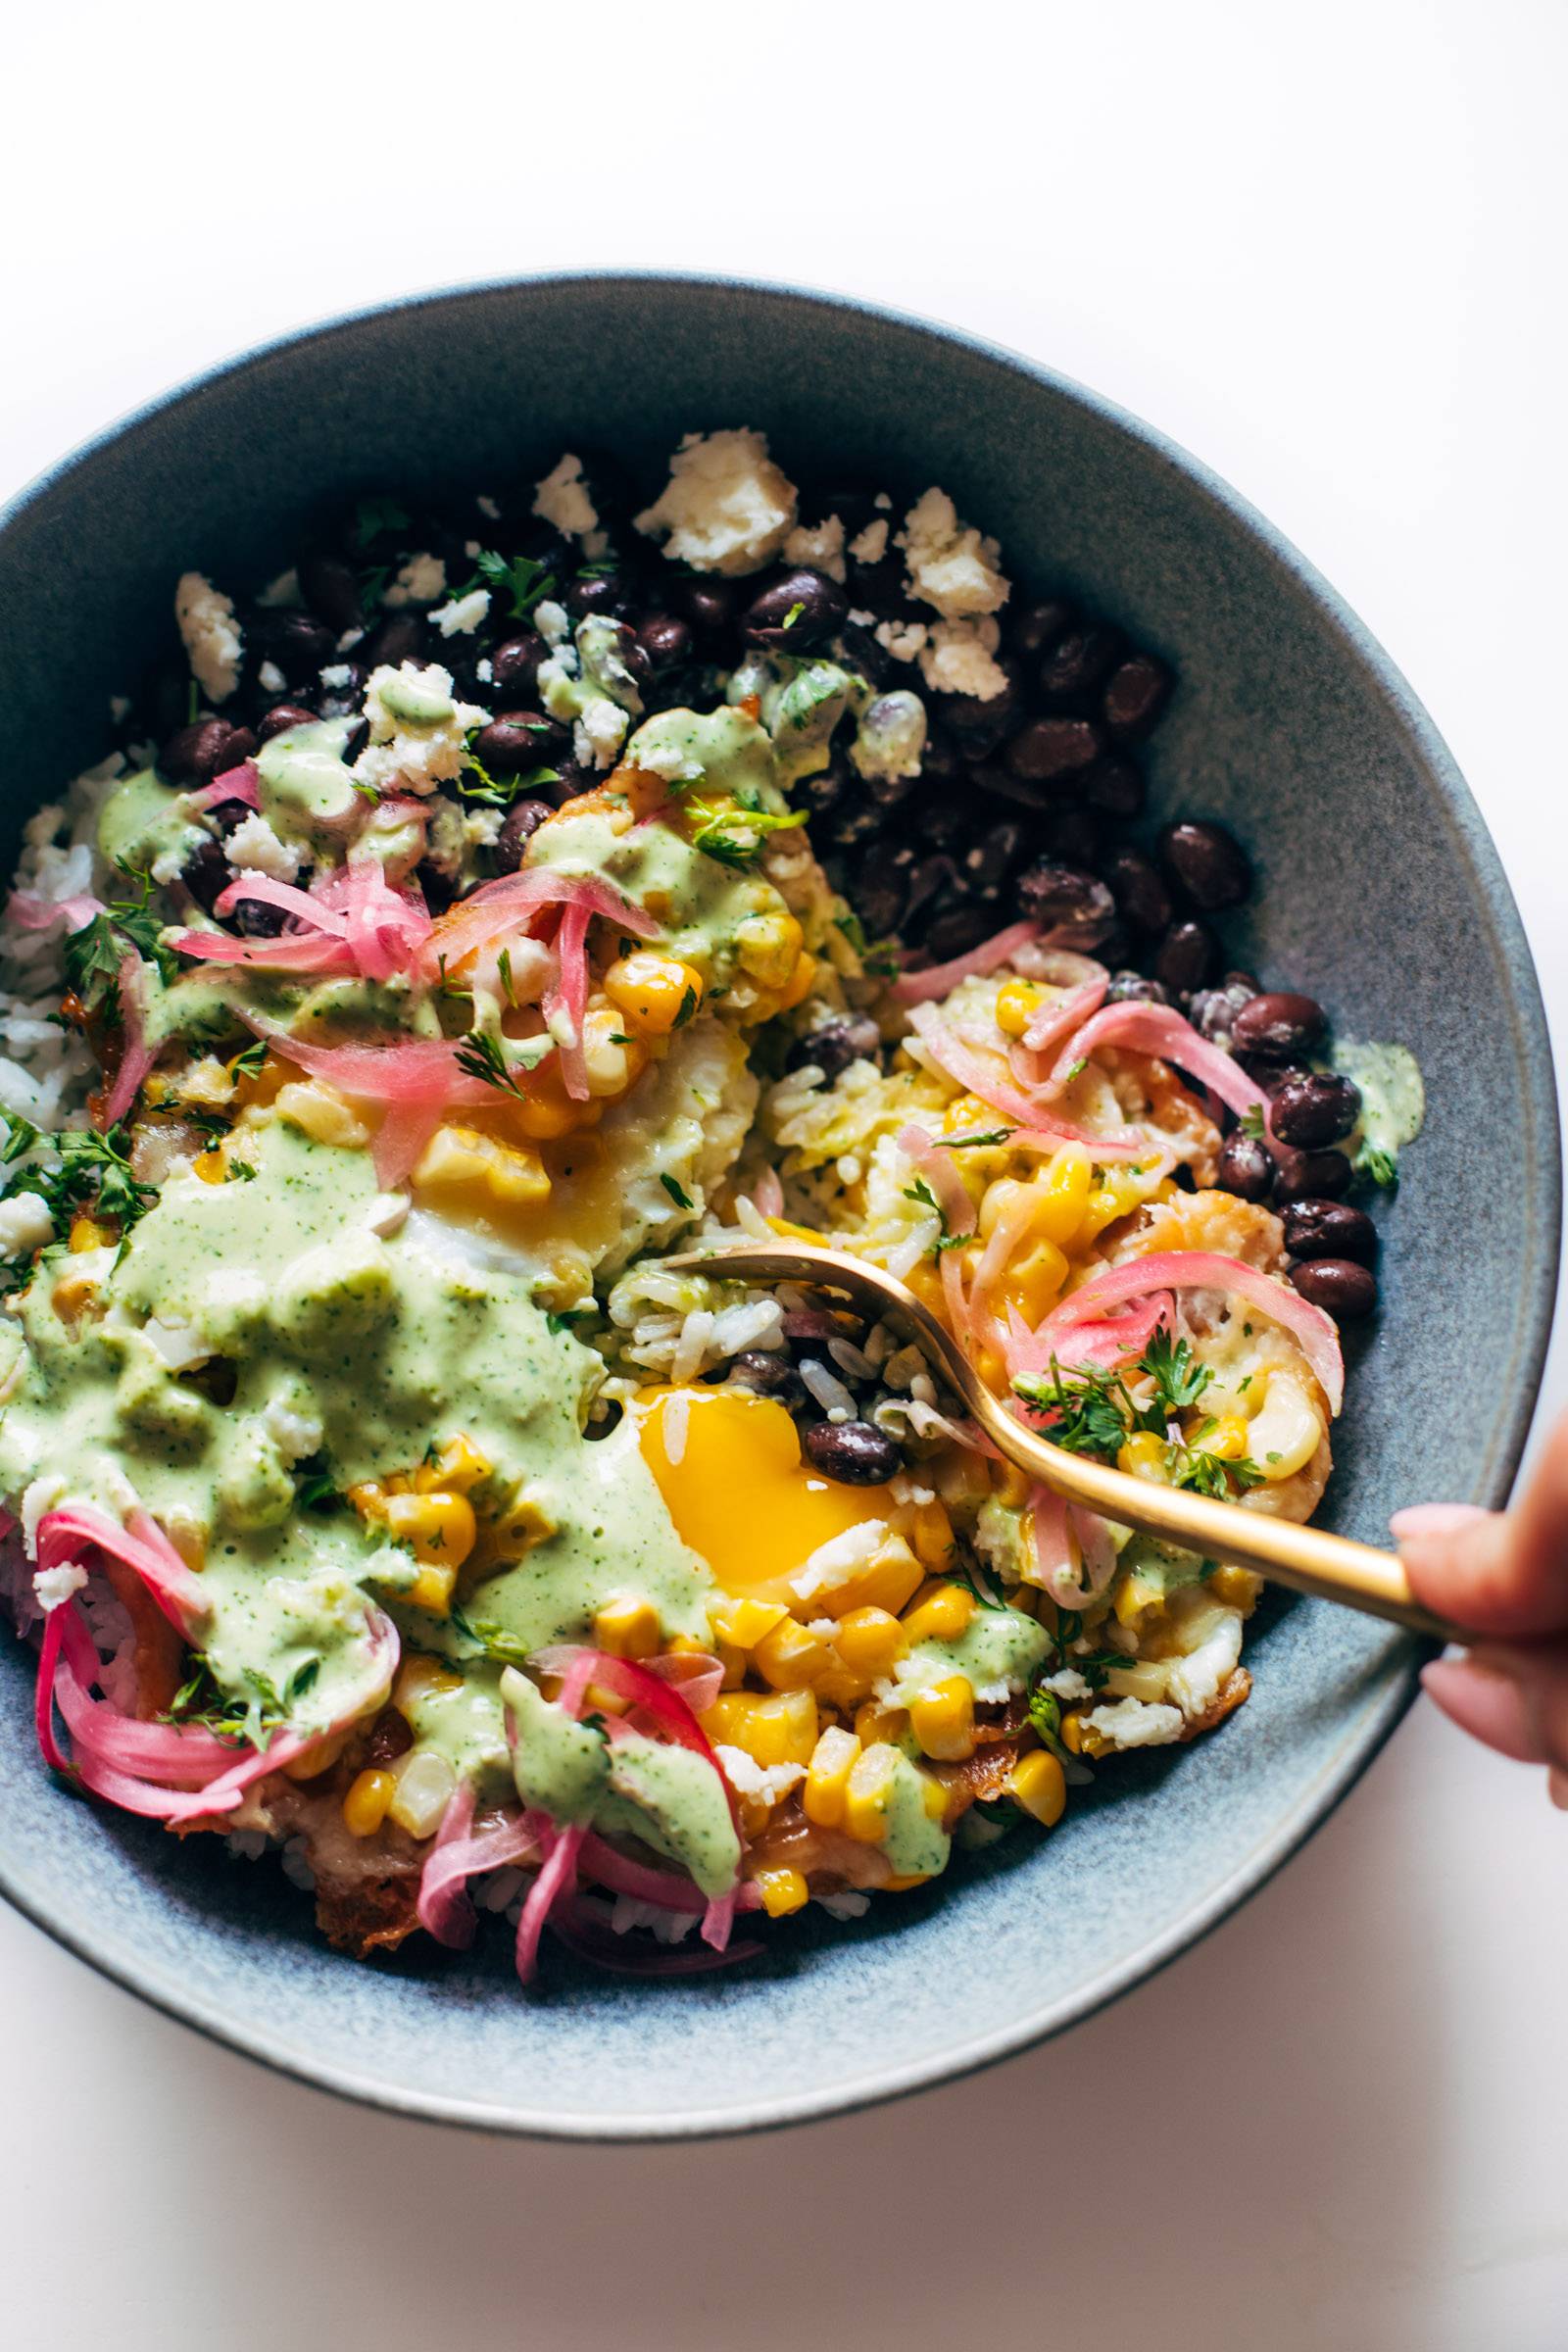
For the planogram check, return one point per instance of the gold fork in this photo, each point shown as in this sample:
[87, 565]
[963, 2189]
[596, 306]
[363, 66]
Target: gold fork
[1308, 1560]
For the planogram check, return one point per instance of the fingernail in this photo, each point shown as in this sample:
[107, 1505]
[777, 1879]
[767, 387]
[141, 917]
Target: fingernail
[1434, 1519]
[1486, 1701]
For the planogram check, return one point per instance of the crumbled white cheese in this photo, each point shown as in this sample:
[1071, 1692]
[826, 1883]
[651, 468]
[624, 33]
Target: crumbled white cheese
[747, 1778]
[956, 658]
[1194, 1682]
[846, 1902]
[271, 677]
[37, 1498]
[485, 672]
[481, 827]
[552, 620]
[420, 581]
[336, 675]
[872, 544]
[664, 760]
[464, 615]
[1133, 1723]
[24, 1224]
[1065, 1684]
[903, 639]
[489, 508]
[563, 498]
[253, 848]
[600, 732]
[349, 640]
[882, 500]
[414, 752]
[819, 546]
[167, 866]
[726, 506]
[213, 646]
[386, 1214]
[53, 1587]
[296, 1433]
[951, 566]
[176, 1343]
[834, 1562]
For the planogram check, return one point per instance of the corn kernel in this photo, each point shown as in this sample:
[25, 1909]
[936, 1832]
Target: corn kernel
[439, 1528]
[320, 1757]
[782, 1891]
[74, 1294]
[870, 1642]
[87, 1234]
[425, 1786]
[365, 1805]
[790, 1657]
[867, 1790]
[768, 945]
[1227, 1438]
[1144, 1457]
[942, 1617]
[942, 1719]
[321, 1114]
[1237, 1588]
[480, 1172]
[628, 1627]
[732, 1666]
[779, 1728]
[650, 991]
[418, 1676]
[209, 1166]
[1070, 1731]
[432, 1588]
[879, 1727]
[799, 984]
[525, 1524]
[743, 1623]
[1034, 1281]
[612, 1059]
[1038, 1784]
[931, 1534]
[886, 1582]
[459, 1467]
[542, 1111]
[828, 1777]
[1017, 1002]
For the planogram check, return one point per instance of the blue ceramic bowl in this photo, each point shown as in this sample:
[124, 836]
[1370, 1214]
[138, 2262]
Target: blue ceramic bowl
[1381, 893]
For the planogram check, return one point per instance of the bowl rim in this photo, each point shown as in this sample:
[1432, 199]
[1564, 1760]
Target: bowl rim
[1365, 1737]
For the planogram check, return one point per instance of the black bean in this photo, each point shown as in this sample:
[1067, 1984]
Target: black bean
[820, 795]
[977, 727]
[767, 1375]
[437, 888]
[1116, 787]
[1049, 750]
[1337, 1285]
[800, 607]
[1213, 1010]
[295, 644]
[879, 588]
[1246, 1167]
[832, 1048]
[958, 929]
[886, 794]
[1208, 862]
[226, 815]
[396, 638]
[1138, 889]
[855, 1453]
[853, 821]
[987, 867]
[1187, 955]
[1313, 1110]
[709, 605]
[281, 717]
[1311, 1175]
[666, 639]
[205, 873]
[1035, 627]
[206, 749]
[332, 589]
[882, 890]
[517, 741]
[520, 823]
[1279, 1025]
[1330, 1229]
[514, 665]
[1078, 664]
[257, 919]
[1131, 987]
[986, 776]
[931, 881]
[1134, 695]
[597, 592]
[1059, 896]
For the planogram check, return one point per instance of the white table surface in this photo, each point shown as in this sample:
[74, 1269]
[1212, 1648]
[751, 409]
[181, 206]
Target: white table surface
[1318, 247]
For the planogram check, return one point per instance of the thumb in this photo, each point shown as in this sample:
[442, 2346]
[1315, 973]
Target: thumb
[1502, 1571]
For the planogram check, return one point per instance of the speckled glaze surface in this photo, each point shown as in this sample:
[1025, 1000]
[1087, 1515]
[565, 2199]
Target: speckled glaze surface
[1381, 892]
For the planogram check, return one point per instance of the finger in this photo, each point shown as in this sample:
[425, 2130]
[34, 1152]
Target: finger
[1557, 1788]
[1486, 1702]
[1504, 1573]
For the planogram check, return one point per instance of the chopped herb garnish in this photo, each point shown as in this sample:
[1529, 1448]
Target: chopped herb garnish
[526, 582]
[491, 1639]
[1095, 1413]
[677, 1192]
[921, 1193]
[93, 955]
[974, 1142]
[1377, 1167]
[248, 1064]
[793, 616]
[376, 514]
[734, 835]
[688, 1008]
[565, 1318]
[94, 1172]
[481, 1057]
[1251, 1122]
[239, 1171]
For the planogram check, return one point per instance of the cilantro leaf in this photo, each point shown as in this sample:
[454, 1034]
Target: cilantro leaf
[734, 835]
[376, 515]
[921, 1193]
[525, 582]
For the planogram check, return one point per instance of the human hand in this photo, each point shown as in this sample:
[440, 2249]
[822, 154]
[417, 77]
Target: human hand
[1505, 1574]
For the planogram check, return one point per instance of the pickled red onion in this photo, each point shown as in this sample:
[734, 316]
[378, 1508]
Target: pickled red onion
[444, 1908]
[935, 1166]
[234, 784]
[141, 1545]
[30, 912]
[136, 1057]
[981, 1074]
[940, 979]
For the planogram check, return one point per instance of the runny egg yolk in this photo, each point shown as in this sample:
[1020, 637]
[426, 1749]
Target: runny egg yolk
[738, 1490]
